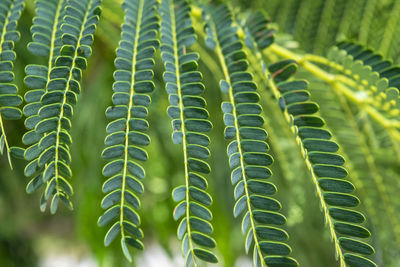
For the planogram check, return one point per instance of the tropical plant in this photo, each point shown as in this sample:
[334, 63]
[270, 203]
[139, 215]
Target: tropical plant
[311, 116]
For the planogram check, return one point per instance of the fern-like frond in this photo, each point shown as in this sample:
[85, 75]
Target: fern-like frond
[324, 163]
[126, 131]
[46, 35]
[62, 88]
[354, 137]
[10, 12]
[190, 124]
[248, 152]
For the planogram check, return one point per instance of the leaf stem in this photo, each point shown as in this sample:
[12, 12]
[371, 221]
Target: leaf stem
[324, 205]
[127, 128]
[61, 116]
[232, 101]
[182, 118]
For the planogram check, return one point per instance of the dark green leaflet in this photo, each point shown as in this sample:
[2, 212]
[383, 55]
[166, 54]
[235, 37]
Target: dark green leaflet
[190, 123]
[248, 152]
[10, 12]
[126, 131]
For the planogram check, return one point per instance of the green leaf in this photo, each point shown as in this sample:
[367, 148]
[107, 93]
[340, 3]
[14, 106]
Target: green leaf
[17, 152]
[205, 255]
[249, 240]
[108, 216]
[240, 206]
[356, 246]
[280, 261]
[203, 240]
[357, 261]
[352, 230]
[125, 250]
[275, 248]
[111, 234]
[10, 113]
[346, 215]
[271, 233]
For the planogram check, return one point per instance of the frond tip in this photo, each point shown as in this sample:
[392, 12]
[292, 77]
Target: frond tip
[323, 160]
[326, 167]
[56, 88]
[190, 124]
[126, 131]
[47, 44]
[248, 152]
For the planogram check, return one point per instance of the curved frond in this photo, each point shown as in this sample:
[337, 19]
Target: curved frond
[49, 162]
[126, 131]
[248, 152]
[356, 138]
[190, 124]
[324, 162]
[46, 35]
[10, 12]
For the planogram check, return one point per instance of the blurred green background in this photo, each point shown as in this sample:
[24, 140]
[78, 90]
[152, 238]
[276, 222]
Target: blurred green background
[31, 238]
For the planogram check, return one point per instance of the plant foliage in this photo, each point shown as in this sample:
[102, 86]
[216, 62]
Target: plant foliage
[10, 12]
[330, 117]
[133, 83]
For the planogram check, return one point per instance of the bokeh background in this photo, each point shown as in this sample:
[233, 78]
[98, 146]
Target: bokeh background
[30, 238]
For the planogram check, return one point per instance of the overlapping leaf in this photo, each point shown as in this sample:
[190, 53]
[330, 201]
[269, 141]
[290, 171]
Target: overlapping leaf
[10, 12]
[325, 164]
[248, 152]
[190, 124]
[126, 131]
[370, 173]
[49, 152]
[46, 35]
